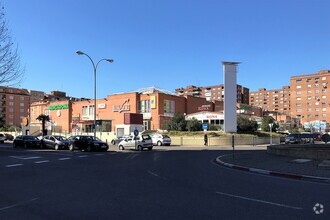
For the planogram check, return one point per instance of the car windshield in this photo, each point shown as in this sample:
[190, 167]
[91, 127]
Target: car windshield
[31, 138]
[61, 138]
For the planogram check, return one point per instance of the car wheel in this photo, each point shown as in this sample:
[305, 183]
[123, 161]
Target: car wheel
[25, 145]
[113, 142]
[121, 147]
[71, 147]
[56, 147]
[14, 145]
[159, 143]
[89, 148]
[149, 148]
[139, 148]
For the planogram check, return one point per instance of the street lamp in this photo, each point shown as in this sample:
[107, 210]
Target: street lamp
[270, 132]
[95, 68]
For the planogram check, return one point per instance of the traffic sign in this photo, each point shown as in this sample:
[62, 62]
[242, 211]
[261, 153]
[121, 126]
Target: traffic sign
[205, 126]
[136, 132]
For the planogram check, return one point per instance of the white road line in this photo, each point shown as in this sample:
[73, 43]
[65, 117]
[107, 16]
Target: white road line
[18, 204]
[42, 161]
[156, 175]
[65, 158]
[25, 157]
[14, 165]
[260, 201]
[83, 156]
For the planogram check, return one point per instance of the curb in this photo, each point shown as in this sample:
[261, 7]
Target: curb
[272, 173]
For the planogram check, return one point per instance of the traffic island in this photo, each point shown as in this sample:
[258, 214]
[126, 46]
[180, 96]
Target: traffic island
[311, 151]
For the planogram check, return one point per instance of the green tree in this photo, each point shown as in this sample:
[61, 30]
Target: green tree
[194, 125]
[244, 124]
[269, 120]
[43, 118]
[178, 122]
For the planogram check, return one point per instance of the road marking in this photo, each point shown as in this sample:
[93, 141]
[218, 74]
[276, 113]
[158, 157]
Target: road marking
[260, 201]
[18, 204]
[25, 157]
[14, 165]
[156, 175]
[65, 158]
[83, 156]
[42, 161]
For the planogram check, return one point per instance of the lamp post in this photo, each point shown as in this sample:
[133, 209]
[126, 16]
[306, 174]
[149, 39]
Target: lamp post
[270, 132]
[95, 68]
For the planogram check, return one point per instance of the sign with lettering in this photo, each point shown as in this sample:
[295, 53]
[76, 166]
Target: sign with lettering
[58, 107]
[204, 108]
[123, 107]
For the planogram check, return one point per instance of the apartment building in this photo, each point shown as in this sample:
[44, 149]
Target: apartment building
[14, 105]
[213, 93]
[310, 95]
[276, 100]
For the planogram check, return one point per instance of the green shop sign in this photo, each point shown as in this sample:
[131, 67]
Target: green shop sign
[58, 107]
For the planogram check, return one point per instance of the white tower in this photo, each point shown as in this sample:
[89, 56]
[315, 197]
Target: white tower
[230, 96]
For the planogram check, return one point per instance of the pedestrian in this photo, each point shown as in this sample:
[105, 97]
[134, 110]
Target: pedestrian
[205, 140]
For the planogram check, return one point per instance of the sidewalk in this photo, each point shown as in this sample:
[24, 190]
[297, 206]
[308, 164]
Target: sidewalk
[260, 161]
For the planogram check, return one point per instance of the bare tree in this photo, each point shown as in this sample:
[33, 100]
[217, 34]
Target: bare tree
[11, 72]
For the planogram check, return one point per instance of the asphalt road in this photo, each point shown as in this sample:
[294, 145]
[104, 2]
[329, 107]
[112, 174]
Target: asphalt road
[165, 183]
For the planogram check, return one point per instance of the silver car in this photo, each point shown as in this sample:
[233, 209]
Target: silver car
[55, 141]
[161, 139]
[136, 143]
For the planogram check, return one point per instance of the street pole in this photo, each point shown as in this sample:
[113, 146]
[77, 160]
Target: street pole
[95, 68]
[270, 133]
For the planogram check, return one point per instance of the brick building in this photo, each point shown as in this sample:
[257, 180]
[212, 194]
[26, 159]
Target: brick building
[14, 105]
[213, 93]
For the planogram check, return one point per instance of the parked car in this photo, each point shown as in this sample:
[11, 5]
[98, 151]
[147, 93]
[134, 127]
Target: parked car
[87, 143]
[119, 139]
[299, 138]
[9, 137]
[55, 141]
[26, 141]
[136, 143]
[2, 138]
[160, 139]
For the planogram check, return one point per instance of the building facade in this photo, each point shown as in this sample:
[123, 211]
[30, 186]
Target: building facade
[310, 97]
[156, 107]
[14, 106]
[213, 93]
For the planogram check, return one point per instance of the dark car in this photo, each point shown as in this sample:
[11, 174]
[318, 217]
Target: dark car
[2, 138]
[27, 141]
[55, 141]
[87, 143]
[299, 138]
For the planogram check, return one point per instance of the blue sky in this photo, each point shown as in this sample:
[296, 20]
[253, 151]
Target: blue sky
[167, 43]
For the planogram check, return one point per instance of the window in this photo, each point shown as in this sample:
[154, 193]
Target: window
[11, 103]
[298, 87]
[91, 110]
[298, 110]
[144, 106]
[11, 110]
[21, 98]
[309, 110]
[308, 80]
[324, 78]
[324, 109]
[11, 97]
[298, 93]
[21, 104]
[316, 85]
[324, 97]
[84, 111]
[21, 110]
[298, 99]
[47, 112]
[317, 91]
[309, 85]
[309, 92]
[324, 115]
[309, 97]
[298, 80]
